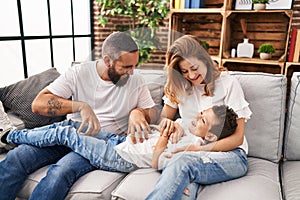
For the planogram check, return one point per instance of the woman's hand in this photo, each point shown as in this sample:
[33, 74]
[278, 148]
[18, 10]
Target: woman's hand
[171, 129]
[167, 127]
[177, 134]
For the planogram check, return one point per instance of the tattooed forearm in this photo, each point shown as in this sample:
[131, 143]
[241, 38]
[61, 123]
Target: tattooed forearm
[54, 105]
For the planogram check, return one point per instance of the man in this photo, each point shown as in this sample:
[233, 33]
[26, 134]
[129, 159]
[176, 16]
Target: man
[106, 95]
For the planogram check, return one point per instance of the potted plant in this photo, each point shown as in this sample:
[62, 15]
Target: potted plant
[259, 4]
[205, 44]
[265, 51]
[144, 18]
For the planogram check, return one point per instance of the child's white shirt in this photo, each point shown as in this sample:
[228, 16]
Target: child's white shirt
[141, 154]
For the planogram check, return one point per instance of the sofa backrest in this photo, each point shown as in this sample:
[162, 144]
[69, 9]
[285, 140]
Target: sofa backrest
[291, 148]
[266, 94]
[155, 80]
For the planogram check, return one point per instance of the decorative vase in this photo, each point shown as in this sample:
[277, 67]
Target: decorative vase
[259, 6]
[245, 49]
[265, 56]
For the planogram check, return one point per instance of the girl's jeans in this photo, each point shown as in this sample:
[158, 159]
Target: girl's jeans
[198, 167]
[98, 150]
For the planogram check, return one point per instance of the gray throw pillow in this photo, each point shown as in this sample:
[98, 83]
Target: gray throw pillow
[17, 98]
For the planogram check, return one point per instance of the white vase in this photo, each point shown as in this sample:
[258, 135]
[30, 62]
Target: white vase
[259, 6]
[265, 56]
[245, 49]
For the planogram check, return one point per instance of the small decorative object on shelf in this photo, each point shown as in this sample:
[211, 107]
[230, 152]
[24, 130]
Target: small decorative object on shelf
[233, 52]
[280, 4]
[265, 51]
[242, 4]
[245, 49]
[259, 4]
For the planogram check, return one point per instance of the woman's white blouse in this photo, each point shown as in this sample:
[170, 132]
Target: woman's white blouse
[227, 91]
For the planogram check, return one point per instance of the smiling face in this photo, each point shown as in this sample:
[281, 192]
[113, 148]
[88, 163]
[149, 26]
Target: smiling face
[119, 70]
[194, 70]
[203, 123]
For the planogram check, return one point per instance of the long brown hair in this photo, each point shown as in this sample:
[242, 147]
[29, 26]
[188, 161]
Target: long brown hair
[186, 47]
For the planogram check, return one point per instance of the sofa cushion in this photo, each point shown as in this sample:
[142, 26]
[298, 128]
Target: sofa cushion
[266, 94]
[260, 182]
[290, 180]
[136, 185]
[97, 184]
[292, 127]
[17, 98]
[16, 121]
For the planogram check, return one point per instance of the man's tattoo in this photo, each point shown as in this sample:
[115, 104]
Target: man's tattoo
[54, 105]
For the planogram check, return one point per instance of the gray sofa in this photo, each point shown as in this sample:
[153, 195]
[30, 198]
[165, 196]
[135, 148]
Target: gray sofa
[274, 150]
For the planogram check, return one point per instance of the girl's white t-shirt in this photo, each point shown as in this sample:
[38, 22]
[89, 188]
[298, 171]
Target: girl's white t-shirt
[141, 154]
[111, 104]
[227, 91]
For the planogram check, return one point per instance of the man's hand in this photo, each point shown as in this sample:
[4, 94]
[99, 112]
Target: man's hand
[90, 119]
[138, 123]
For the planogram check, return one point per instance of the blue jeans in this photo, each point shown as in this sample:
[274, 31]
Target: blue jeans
[25, 159]
[200, 167]
[98, 150]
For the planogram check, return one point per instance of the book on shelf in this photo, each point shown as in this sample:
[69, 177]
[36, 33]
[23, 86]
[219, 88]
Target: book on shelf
[182, 4]
[177, 4]
[297, 47]
[292, 45]
[187, 3]
[197, 4]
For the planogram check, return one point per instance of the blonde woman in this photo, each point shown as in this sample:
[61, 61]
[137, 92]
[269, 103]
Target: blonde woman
[195, 84]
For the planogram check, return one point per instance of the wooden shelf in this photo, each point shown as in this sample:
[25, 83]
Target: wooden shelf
[197, 10]
[220, 27]
[256, 61]
[253, 61]
[291, 64]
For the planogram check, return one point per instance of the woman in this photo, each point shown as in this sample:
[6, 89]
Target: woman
[195, 84]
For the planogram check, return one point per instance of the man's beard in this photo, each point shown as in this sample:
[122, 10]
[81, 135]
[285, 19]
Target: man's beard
[116, 78]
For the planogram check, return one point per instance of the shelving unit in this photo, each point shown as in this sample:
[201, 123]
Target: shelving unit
[291, 67]
[219, 25]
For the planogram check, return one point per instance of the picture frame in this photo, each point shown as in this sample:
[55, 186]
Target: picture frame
[242, 4]
[279, 4]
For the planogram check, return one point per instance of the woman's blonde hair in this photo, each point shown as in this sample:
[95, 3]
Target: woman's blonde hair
[187, 46]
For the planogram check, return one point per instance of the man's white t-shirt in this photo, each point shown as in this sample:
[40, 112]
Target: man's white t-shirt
[111, 104]
[227, 91]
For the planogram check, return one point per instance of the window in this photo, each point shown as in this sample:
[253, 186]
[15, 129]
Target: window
[38, 34]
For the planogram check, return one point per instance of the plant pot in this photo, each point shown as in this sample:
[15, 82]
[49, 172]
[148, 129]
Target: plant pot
[265, 56]
[259, 6]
